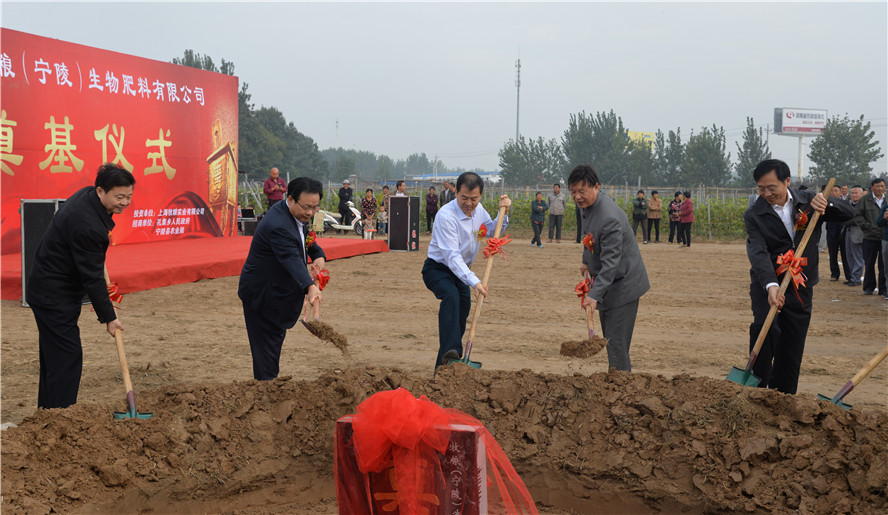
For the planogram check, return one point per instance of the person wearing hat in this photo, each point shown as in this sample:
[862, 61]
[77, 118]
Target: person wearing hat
[345, 196]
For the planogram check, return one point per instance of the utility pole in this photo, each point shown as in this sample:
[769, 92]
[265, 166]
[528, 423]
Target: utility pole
[517, 96]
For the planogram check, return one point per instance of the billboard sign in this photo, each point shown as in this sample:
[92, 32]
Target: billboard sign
[68, 108]
[790, 120]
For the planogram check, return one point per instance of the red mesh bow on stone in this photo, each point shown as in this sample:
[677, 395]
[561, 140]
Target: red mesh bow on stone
[394, 427]
[790, 263]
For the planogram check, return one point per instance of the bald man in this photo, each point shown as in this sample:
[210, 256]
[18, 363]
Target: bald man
[274, 187]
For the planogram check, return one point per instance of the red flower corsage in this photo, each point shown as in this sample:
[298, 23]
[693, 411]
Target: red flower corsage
[589, 242]
[482, 232]
[801, 221]
[310, 239]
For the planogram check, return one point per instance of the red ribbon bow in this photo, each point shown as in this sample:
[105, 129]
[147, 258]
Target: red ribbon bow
[322, 278]
[482, 232]
[114, 293]
[582, 288]
[494, 246]
[790, 263]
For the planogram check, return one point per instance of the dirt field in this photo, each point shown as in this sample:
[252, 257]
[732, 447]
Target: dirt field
[190, 364]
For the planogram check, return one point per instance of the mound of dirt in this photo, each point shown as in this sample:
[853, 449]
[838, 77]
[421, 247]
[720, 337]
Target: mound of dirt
[583, 348]
[328, 334]
[584, 444]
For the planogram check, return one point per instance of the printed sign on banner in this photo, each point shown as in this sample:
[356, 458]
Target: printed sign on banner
[68, 108]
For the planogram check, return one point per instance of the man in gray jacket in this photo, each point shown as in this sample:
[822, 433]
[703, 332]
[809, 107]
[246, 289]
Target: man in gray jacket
[865, 215]
[854, 242]
[612, 258]
[556, 212]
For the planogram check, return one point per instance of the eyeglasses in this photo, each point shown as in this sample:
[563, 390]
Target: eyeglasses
[767, 189]
[313, 208]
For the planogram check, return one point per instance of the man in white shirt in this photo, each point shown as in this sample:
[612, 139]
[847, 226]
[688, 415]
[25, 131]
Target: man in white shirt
[455, 243]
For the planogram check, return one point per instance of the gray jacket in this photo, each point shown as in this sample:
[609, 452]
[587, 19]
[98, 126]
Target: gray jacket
[556, 203]
[865, 215]
[616, 264]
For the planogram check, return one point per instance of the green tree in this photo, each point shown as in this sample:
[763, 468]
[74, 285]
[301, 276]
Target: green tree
[384, 168]
[599, 140]
[846, 150]
[705, 161]
[344, 167]
[640, 161]
[668, 157]
[754, 151]
[531, 162]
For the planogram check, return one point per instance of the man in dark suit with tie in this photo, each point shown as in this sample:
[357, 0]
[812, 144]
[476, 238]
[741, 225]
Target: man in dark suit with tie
[613, 260]
[775, 224]
[275, 281]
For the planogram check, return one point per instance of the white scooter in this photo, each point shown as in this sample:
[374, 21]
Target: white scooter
[334, 221]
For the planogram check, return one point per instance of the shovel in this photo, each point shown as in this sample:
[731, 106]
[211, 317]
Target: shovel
[746, 377]
[465, 359]
[124, 370]
[128, 384]
[858, 377]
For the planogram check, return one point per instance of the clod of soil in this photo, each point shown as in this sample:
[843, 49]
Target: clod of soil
[328, 334]
[583, 348]
[604, 443]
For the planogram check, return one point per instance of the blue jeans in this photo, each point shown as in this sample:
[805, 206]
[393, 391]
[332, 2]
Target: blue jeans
[456, 302]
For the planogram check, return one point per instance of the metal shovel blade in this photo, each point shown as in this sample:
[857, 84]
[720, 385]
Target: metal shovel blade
[132, 413]
[743, 377]
[837, 402]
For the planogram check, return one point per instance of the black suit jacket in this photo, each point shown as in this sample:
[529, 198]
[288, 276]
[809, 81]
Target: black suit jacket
[70, 258]
[274, 279]
[767, 237]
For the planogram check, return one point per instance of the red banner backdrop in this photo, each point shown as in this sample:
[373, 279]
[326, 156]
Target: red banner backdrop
[68, 108]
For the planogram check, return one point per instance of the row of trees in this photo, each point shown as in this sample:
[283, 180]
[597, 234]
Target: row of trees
[846, 149]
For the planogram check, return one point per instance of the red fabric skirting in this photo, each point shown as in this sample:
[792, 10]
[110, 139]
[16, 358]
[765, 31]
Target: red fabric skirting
[142, 266]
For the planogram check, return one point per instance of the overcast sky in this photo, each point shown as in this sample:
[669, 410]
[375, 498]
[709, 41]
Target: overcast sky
[439, 78]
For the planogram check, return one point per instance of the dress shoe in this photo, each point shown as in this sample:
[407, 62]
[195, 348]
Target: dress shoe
[450, 356]
[831, 279]
[854, 283]
[867, 292]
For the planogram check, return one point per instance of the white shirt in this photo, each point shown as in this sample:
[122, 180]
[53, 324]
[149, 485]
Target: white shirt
[301, 237]
[785, 214]
[455, 240]
[879, 200]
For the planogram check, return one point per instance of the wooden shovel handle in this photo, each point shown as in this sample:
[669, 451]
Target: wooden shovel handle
[787, 277]
[496, 234]
[873, 363]
[124, 368]
[590, 321]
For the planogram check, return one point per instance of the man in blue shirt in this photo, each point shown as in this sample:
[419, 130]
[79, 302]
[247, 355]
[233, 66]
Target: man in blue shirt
[452, 250]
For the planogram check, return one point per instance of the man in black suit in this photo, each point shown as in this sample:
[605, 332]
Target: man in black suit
[70, 263]
[275, 280]
[775, 224]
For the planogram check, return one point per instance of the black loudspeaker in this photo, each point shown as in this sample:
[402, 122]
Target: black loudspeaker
[403, 228]
[36, 216]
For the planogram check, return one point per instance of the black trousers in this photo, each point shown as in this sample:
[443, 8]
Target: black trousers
[456, 302]
[780, 358]
[872, 261]
[346, 215]
[655, 223]
[430, 219]
[644, 228]
[843, 251]
[675, 228]
[686, 233]
[61, 354]
[537, 231]
[266, 339]
[555, 222]
[833, 243]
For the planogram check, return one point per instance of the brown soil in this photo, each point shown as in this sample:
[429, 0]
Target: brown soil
[583, 348]
[328, 334]
[672, 436]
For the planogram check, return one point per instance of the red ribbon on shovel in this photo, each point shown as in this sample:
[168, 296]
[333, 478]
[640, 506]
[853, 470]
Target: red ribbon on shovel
[322, 278]
[582, 288]
[790, 263]
[494, 246]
